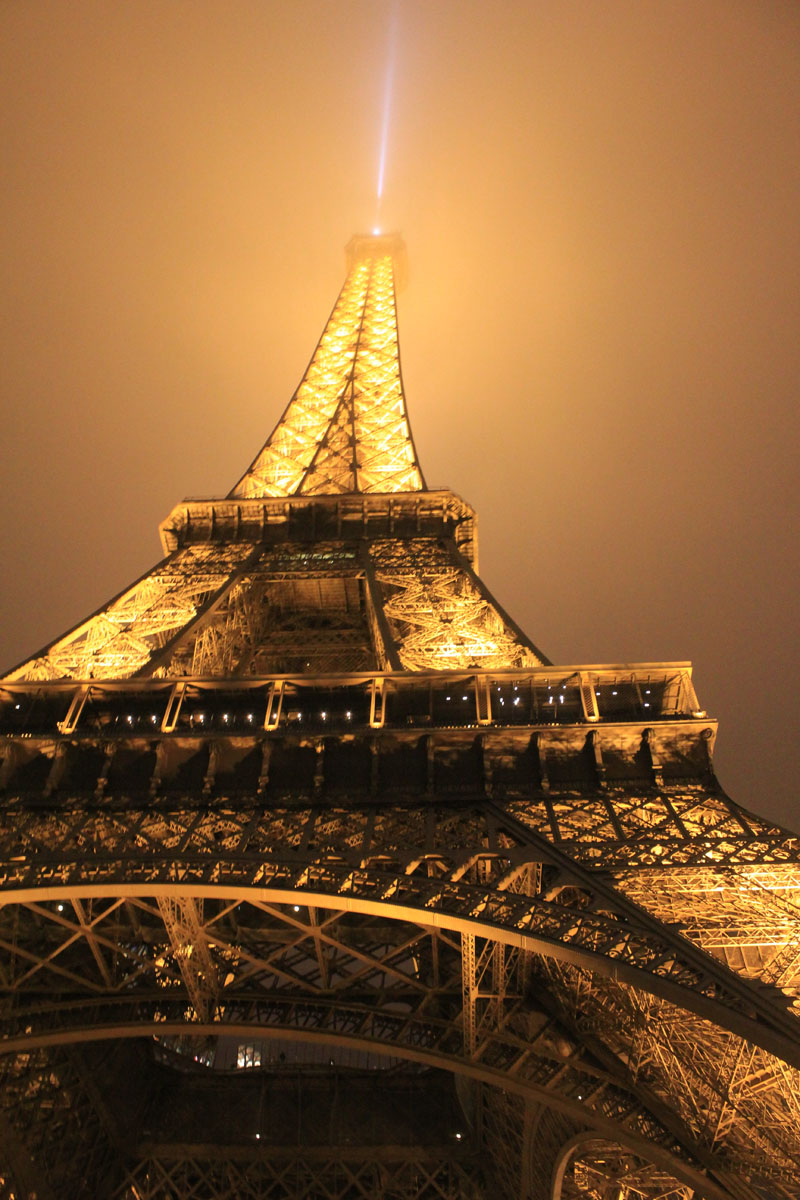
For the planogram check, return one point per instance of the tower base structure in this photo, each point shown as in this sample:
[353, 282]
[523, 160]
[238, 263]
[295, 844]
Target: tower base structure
[317, 879]
[521, 893]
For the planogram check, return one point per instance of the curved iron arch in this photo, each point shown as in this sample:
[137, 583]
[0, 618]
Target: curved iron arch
[516, 919]
[601, 1125]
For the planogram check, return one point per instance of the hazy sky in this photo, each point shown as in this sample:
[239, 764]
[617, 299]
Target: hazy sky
[599, 336]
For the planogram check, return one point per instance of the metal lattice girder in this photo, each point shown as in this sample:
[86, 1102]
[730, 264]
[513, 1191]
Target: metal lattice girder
[692, 1072]
[345, 429]
[376, 963]
[602, 1171]
[504, 1118]
[281, 624]
[360, 984]
[579, 916]
[748, 917]
[643, 827]
[439, 614]
[183, 921]
[124, 636]
[493, 978]
[233, 610]
[536, 1152]
[408, 1178]
[75, 950]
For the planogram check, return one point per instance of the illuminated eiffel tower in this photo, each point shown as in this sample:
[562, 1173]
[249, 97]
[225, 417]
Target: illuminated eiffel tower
[319, 880]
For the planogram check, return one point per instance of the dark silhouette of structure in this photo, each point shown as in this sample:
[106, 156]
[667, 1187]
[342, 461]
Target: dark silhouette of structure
[319, 880]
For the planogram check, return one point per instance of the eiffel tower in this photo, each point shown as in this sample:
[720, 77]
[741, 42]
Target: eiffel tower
[319, 880]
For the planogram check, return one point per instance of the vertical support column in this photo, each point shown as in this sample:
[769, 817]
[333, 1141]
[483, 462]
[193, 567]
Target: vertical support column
[485, 978]
[499, 979]
[173, 709]
[377, 703]
[274, 704]
[483, 699]
[655, 761]
[385, 647]
[595, 750]
[469, 993]
[588, 697]
[319, 766]
[75, 709]
[183, 922]
[266, 755]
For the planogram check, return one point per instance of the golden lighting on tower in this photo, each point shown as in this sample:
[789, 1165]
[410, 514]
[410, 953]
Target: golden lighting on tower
[346, 428]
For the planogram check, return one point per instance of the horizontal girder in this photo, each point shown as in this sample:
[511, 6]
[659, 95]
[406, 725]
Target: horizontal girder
[619, 941]
[101, 968]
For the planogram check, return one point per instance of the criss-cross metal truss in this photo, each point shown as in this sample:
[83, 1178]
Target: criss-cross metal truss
[317, 879]
[346, 429]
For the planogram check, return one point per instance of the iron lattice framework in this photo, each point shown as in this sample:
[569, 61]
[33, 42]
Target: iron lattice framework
[318, 879]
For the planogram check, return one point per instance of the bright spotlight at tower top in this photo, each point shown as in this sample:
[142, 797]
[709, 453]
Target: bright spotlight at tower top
[364, 246]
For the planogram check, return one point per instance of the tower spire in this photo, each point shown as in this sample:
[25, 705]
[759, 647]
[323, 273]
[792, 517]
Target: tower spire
[220, 602]
[345, 428]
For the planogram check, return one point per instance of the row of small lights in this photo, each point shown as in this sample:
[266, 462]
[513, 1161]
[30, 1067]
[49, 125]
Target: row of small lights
[200, 717]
